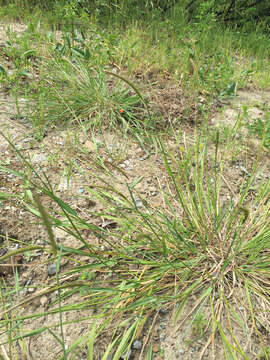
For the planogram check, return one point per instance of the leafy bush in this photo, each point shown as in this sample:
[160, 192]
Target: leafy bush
[238, 12]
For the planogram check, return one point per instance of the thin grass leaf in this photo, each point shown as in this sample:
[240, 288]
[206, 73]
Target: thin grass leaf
[3, 71]
[122, 347]
[110, 348]
[91, 340]
[149, 353]
[20, 251]
[47, 223]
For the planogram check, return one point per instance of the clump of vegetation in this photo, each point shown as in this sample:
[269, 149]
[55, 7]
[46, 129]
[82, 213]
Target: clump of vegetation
[260, 127]
[66, 77]
[202, 247]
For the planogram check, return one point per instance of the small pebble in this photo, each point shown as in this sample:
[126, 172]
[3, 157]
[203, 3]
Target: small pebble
[52, 269]
[90, 146]
[43, 300]
[162, 337]
[126, 165]
[139, 203]
[243, 169]
[38, 158]
[137, 344]
[23, 292]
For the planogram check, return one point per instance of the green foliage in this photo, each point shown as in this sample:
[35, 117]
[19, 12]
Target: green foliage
[238, 12]
[261, 128]
[47, 71]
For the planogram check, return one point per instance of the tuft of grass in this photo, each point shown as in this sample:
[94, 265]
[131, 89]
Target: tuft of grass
[196, 247]
[77, 92]
[69, 81]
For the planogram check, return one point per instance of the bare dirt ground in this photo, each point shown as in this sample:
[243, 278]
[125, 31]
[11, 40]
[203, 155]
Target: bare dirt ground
[53, 155]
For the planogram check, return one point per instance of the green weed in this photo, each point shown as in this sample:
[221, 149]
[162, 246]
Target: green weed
[260, 127]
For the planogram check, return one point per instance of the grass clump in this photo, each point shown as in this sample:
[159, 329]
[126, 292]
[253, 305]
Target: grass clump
[71, 80]
[199, 246]
[82, 93]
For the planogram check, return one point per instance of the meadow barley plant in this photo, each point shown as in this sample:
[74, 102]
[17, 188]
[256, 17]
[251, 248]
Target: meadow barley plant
[197, 247]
